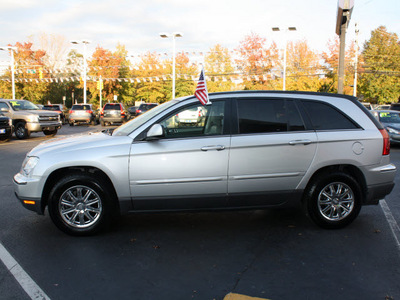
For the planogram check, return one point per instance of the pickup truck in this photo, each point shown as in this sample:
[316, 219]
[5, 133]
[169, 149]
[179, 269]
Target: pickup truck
[27, 117]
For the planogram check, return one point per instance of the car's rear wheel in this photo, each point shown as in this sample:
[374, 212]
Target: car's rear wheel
[333, 200]
[80, 204]
[21, 131]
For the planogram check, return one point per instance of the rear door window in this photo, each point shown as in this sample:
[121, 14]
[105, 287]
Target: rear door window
[268, 115]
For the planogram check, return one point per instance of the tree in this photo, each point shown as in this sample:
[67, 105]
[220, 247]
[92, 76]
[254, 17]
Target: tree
[303, 67]
[380, 80]
[184, 84]
[30, 65]
[151, 87]
[331, 58]
[104, 63]
[218, 65]
[257, 61]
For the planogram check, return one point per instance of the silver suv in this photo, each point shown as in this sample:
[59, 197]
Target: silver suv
[251, 149]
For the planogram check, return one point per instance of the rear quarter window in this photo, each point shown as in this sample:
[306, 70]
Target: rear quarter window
[326, 117]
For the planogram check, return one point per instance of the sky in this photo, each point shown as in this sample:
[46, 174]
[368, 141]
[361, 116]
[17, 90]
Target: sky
[203, 24]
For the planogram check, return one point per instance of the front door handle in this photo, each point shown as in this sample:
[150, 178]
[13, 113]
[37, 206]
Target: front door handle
[216, 147]
[300, 142]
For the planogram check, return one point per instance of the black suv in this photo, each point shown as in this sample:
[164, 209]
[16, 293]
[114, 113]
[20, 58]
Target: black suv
[395, 106]
[60, 109]
[5, 128]
[144, 107]
[113, 113]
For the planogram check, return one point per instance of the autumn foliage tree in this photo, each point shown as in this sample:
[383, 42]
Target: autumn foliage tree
[103, 63]
[331, 66]
[256, 60]
[219, 65]
[303, 67]
[380, 78]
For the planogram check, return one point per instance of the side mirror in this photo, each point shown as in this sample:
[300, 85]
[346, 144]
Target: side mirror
[156, 131]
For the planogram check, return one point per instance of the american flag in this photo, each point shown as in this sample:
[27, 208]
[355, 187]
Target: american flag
[201, 90]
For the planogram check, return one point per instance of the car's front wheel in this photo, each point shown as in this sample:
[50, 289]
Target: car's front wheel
[21, 131]
[333, 200]
[80, 204]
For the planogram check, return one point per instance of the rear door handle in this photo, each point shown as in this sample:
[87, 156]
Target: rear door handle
[216, 147]
[300, 142]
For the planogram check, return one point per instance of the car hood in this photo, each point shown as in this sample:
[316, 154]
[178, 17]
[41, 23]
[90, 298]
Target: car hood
[76, 143]
[39, 112]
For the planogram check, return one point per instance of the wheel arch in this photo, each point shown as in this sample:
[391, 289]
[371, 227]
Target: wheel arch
[351, 170]
[58, 174]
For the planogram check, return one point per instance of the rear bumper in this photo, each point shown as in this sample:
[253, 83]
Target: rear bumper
[378, 192]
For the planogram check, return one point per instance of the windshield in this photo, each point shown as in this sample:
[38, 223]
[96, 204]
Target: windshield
[23, 105]
[127, 128]
[389, 117]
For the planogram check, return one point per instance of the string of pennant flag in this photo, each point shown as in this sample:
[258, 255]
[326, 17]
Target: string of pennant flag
[232, 78]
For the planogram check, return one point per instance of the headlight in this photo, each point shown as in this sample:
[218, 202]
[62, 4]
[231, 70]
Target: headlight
[392, 130]
[33, 119]
[29, 164]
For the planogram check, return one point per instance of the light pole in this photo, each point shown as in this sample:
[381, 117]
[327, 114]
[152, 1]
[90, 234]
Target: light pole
[356, 63]
[284, 52]
[173, 35]
[84, 42]
[12, 49]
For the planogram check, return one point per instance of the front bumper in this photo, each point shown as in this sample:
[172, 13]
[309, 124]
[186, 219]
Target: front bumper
[27, 190]
[37, 127]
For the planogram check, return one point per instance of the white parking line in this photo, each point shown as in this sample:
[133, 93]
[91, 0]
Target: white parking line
[26, 282]
[392, 222]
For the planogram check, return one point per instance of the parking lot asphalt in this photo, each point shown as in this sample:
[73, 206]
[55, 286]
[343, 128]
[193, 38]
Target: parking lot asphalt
[267, 254]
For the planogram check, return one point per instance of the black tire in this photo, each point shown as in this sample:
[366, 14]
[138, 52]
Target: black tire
[80, 204]
[93, 122]
[21, 132]
[333, 200]
[71, 123]
[50, 132]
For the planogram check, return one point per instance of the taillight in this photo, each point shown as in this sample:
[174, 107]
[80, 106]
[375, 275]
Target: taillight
[386, 142]
[89, 111]
[122, 113]
[71, 111]
[138, 111]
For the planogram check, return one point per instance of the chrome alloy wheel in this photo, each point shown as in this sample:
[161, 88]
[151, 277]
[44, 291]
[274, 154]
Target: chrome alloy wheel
[80, 206]
[336, 201]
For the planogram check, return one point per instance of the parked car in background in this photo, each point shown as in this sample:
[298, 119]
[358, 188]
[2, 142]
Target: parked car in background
[6, 128]
[113, 113]
[245, 154]
[60, 109]
[82, 113]
[27, 117]
[395, 106]
[132, 111]
[144, 107]
[391, 120]
[190, 117]
[367, 105]
[382, 107]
